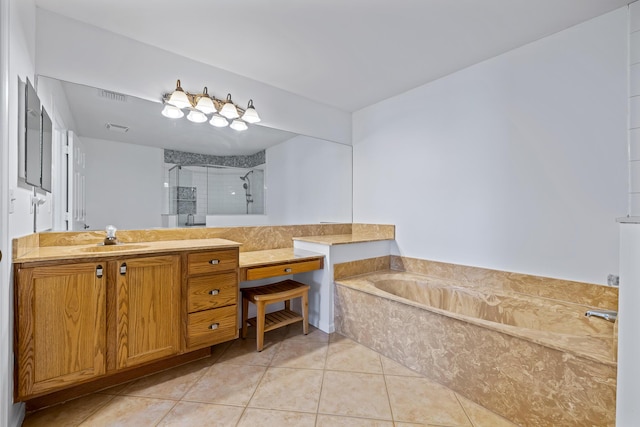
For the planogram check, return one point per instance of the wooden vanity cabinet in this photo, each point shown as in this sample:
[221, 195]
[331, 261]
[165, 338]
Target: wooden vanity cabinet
[76, 321]
[59, 326]
[144, 309]
[211, 290]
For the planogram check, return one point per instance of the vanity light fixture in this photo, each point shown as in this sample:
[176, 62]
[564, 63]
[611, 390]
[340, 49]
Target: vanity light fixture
[200, 105]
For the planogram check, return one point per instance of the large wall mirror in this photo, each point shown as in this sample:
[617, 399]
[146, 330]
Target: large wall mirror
[132, 167]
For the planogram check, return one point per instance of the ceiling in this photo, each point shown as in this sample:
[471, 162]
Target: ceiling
[344, 53]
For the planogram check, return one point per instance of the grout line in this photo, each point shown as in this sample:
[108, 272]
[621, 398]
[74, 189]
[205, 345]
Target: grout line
[386, 389]
[167, 413]
[464, 410]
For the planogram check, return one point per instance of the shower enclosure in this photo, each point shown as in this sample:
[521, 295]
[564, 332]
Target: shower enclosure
[196, 191]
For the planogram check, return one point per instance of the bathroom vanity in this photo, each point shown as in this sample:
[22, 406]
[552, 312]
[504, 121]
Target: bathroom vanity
[104, 311]
[89, 316]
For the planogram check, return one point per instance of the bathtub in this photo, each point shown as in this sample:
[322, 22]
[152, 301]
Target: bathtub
[534, 360]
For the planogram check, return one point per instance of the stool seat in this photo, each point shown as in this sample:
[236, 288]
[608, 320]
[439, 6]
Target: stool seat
[264, 295]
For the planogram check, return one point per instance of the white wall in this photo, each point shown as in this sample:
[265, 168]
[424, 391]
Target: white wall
[18, 47]
[80, 53]
[309, 181]
[117, 192]
[518, 163]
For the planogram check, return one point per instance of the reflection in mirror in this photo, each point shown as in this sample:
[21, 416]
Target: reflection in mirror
[139, 169]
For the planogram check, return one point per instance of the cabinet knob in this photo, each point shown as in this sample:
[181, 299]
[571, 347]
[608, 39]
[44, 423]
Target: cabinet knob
[123, 269]
[214, 291]
[99, 272]
[287, 270]
[214, 326]
[214, 262]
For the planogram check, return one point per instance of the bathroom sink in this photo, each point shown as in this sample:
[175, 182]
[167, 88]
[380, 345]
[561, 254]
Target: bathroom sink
[114, 248]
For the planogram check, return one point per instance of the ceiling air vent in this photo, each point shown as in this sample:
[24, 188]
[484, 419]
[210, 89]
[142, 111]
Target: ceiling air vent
[113, 96]
[117, 128]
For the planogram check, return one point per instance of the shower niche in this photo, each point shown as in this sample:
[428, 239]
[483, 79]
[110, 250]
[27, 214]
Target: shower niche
[196, 191]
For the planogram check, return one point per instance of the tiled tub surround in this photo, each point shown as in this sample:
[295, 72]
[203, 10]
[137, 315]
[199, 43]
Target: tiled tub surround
[535, 360]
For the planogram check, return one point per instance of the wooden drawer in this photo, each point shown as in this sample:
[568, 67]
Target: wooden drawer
[199, 327]
[254, 273]
[213, 291]
[212, 261]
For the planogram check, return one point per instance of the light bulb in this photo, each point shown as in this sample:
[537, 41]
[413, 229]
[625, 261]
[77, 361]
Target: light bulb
[229, 110]
[250, 114]
[179, 98]
[218, 121]
[172, 112]
[196, 116]
[238, 125]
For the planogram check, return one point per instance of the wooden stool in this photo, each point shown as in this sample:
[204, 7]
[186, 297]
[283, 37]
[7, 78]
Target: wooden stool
[261, 296]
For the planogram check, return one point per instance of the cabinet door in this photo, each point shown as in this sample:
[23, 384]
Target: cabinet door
[147, 307]
[60, 326]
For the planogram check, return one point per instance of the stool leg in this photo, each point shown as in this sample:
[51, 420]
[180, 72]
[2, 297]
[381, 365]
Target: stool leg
[305, 313]
[287, 304]
[245, 316]
[260, 325]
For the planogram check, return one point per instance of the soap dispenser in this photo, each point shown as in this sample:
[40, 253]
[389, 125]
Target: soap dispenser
[111, 236]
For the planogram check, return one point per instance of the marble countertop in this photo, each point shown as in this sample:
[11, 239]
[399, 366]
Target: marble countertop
[48, 253]
[341, 239]
[275, 256]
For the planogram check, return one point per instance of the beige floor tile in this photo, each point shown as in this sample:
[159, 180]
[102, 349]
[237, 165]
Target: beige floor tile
[130, 411]
[170, 384]
[353, 357]
[116, 389]
[391, 367]
[218, 350]
[275, 335]
[268, 418]
[201, 414]
[243, 352]
[354, 394]
[336, 337]
[301, 354]
[418, 400]
[226, 384]
[289, 390]
[481, 416]
[296, 332]
[70, 413]
[338, 421]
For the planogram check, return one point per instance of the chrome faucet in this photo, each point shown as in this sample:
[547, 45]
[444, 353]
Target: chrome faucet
[609, 315]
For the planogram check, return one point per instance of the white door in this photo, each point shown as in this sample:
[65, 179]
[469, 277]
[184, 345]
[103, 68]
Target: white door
[76, 190]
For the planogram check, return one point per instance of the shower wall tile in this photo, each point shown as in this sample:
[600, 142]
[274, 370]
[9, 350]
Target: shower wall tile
[634, 176]
[634, 144]
[185, 158]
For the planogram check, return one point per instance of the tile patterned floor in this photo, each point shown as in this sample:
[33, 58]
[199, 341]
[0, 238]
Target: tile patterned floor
[315, 380]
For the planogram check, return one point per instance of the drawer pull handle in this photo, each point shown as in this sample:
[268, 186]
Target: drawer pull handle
[99, 272]
[287, 270]
[214, 291]
[214, 262]
[214, 326]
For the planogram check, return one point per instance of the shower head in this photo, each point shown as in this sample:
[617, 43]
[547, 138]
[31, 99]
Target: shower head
[246, 175]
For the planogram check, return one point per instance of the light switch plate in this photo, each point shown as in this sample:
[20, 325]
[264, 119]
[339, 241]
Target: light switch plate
[12, 202]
